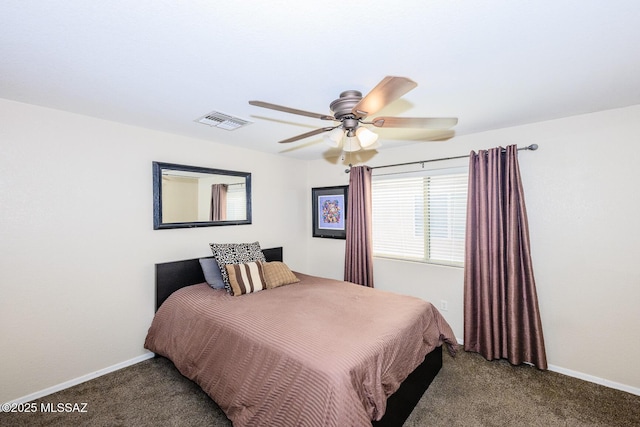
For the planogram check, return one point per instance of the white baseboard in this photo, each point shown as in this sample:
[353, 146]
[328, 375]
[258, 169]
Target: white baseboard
[82, 379]
[590, 378]
[597, 380]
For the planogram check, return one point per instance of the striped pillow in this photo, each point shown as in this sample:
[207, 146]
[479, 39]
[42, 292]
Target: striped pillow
[246, 278]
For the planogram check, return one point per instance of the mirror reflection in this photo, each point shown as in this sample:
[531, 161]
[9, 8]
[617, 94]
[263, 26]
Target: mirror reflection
[192, 196]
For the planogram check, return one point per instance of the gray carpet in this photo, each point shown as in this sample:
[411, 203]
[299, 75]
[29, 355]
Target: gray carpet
[468, 391]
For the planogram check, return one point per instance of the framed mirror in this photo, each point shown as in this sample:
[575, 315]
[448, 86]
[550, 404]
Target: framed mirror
[193, 196]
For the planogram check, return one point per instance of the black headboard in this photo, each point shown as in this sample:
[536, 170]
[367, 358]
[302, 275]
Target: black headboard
[171, 276]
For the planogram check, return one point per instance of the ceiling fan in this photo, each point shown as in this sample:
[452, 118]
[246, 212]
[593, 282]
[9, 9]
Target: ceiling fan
[351, 109]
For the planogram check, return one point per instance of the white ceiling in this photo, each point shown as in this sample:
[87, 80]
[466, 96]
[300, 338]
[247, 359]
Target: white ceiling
[163, 64]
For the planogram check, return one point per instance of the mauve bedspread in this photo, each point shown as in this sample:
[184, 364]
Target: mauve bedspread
[319, 352]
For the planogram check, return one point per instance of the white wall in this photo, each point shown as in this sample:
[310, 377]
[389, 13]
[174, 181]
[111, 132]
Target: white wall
[77, 245]
[583, 207]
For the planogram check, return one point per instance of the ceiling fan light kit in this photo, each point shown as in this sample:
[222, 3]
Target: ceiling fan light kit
[334, 138]
[362, 138]
[351, 144]
[350, 109]
[366, 137]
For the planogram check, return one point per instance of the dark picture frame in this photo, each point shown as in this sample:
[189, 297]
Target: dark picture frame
[330, 207]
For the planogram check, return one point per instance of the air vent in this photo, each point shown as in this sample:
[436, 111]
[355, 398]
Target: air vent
[222, 121]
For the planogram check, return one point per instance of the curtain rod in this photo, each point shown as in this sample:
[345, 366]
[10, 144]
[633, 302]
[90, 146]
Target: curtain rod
[532, 147]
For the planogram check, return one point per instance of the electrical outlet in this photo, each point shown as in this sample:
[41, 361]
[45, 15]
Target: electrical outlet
[444, 305]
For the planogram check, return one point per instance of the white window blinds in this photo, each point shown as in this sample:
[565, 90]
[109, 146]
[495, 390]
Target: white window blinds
[420, 218]
[236, 202]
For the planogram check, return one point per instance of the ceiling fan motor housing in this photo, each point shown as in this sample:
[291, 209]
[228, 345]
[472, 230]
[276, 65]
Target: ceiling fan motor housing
[343, 106]
[342, 109]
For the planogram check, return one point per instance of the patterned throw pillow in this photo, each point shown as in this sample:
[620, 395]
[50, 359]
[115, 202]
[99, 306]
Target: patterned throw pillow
[277, 273]
[246, 278]
[235, 253]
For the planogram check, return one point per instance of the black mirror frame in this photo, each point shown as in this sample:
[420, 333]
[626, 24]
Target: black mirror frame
[157, 196]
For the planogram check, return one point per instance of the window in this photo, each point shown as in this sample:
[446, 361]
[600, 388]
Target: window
[236, 201]
[420, 217]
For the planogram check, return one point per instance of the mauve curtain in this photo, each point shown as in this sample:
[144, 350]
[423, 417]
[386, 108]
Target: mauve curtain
[358, 261]
[218, 210]
[501, 315]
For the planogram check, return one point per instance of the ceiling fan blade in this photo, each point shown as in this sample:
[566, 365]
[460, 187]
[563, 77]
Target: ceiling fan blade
[291, 110]
[415, 122]
[409, 134]
[306, 135]
[388, 90]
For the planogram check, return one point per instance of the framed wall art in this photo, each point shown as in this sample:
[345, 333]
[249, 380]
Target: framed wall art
[329, 206]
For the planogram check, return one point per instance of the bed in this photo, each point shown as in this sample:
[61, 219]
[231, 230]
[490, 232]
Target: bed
[272, 357]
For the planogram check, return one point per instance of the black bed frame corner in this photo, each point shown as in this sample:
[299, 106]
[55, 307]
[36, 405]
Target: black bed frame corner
[401, 403]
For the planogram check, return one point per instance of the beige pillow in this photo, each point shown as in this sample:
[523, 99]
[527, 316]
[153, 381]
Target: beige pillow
[277, 273]
[246, 278]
